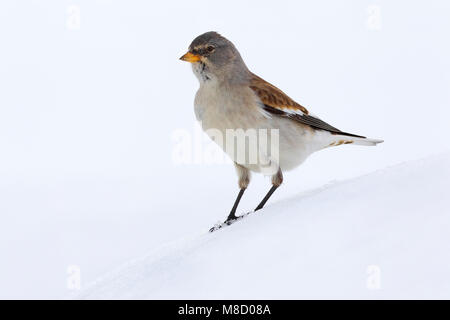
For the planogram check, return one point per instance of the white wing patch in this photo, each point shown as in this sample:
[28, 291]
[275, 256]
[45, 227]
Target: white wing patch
[291, 111]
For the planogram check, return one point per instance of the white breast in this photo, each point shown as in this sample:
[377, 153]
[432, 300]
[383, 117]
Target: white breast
[219, 108]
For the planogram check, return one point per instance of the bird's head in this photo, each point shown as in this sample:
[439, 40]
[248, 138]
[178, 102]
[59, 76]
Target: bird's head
[214, 57]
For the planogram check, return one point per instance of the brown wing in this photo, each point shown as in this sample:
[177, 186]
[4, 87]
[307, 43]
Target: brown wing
[278, 103]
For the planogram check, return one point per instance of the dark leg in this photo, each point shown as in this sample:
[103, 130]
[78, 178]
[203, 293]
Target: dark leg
[263, 202]
[232, 214]
[277, 180]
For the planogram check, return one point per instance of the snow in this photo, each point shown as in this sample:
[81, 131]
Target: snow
[89, 113]
[381, 235]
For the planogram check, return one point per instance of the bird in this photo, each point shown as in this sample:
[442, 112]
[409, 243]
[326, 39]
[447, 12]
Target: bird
[231, 98]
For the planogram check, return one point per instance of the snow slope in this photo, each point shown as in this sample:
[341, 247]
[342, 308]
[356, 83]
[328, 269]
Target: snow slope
[383, 235]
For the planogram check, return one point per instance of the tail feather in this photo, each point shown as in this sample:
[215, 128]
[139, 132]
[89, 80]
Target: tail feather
[339, 140]
[367, 141]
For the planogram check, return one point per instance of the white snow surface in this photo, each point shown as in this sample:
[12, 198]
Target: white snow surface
[94, 98]
[324, 243]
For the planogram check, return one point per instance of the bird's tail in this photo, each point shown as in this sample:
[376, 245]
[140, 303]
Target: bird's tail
[367, 141]
[361, 141]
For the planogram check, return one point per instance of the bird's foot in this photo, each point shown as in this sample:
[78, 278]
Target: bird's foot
[230, 220]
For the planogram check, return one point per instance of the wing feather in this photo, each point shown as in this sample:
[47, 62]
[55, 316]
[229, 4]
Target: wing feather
[278, 103]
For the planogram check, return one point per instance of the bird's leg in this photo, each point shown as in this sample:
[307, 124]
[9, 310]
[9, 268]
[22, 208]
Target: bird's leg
[267, 196]
[244, 179]
[232, 215]
[277, 180]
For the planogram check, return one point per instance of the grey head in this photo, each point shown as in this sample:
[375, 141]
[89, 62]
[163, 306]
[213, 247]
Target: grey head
[214, 57]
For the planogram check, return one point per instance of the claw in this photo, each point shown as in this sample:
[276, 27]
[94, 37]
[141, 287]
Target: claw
[217, 226]
[229, 221]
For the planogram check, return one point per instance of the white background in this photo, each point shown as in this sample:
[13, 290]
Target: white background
[87, 115]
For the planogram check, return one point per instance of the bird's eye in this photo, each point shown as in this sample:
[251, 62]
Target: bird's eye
[210, 49]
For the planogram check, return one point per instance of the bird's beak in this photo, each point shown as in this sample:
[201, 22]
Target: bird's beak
[190, 57]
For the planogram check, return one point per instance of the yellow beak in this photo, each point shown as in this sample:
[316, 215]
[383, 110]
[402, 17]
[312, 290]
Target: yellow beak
[190, 57]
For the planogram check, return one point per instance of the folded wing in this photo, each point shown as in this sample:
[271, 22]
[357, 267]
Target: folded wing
[276, 102]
